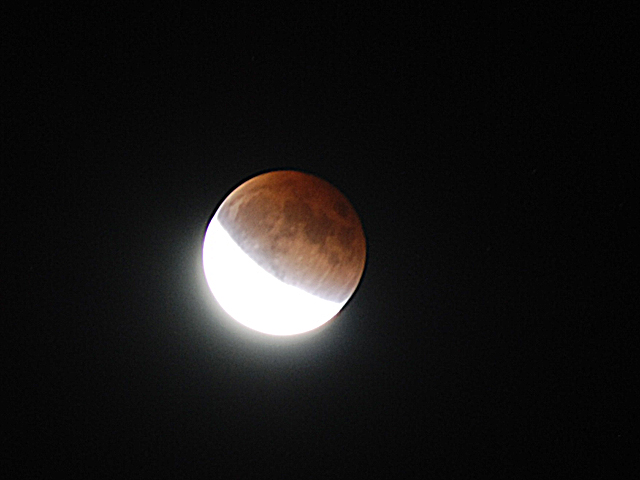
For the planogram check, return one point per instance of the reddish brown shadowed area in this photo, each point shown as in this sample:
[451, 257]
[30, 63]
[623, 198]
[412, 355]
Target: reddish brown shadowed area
[299, 228]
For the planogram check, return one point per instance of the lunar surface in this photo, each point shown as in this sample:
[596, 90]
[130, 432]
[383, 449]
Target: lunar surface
[284, 252]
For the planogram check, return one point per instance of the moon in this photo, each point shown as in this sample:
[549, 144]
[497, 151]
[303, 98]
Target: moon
[284, 252]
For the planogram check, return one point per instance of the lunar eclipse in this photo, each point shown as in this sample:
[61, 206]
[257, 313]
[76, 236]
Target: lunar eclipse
[284, 252]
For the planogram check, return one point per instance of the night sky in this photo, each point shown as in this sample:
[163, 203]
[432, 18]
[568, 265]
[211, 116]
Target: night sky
[491, 333]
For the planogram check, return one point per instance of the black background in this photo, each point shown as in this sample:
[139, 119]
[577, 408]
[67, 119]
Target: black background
[483, 150]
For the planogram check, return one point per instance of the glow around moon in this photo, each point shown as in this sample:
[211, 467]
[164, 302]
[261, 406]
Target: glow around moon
[284, 253]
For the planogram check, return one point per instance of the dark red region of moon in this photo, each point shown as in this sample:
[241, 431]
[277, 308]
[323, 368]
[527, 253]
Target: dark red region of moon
[300, 229]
